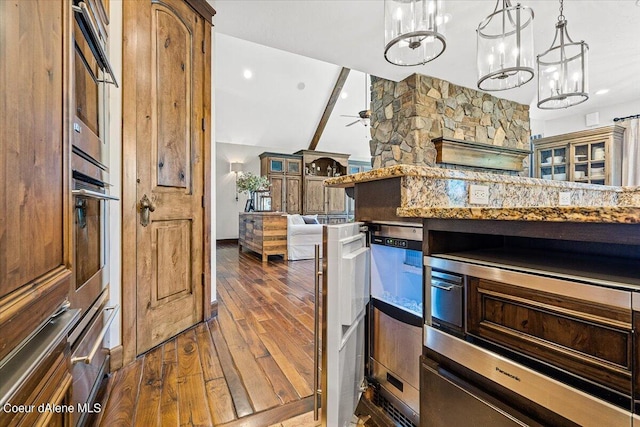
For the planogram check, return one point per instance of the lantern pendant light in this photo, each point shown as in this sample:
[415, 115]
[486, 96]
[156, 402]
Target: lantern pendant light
[562, 70]
[414, 31]
[505, 47]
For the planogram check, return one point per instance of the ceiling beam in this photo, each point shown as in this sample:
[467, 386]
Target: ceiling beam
[337, 88]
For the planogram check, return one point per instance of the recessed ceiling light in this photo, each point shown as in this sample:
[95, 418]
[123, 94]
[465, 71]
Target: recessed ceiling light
[602, 91]
[344, 95]
[301, 86]
[247, 74]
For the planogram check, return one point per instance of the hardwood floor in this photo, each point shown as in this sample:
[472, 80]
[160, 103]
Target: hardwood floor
[252, 365]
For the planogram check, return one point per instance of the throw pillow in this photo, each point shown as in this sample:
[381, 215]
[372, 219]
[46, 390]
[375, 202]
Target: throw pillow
[310, 219]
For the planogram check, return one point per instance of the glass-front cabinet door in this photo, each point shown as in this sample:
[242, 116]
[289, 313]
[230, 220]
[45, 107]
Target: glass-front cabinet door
[588, 161]
[552, 163]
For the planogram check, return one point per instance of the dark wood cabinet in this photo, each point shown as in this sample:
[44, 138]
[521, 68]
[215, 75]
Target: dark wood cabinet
[593, 340]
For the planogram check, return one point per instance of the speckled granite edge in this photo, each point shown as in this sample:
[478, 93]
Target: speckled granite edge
[619, 215]
[629, 196]
[420, 192]
[441, 173]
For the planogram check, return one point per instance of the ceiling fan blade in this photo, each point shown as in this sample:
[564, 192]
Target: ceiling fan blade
[344, 115]
[352, 123]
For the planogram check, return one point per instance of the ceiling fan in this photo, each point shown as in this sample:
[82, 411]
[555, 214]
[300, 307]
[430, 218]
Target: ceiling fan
[364, 115]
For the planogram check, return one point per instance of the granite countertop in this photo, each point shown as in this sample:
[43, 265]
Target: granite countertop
[443, 193]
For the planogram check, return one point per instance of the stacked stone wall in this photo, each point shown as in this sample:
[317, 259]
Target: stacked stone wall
[407, 115]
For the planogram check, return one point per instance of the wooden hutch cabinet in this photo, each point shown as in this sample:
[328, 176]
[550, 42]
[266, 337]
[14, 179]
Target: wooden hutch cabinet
[297, 183]
[285, 174]
[328, 203]
[591, 156]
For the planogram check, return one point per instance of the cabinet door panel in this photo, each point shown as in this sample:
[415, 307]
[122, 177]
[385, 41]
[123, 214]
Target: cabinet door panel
[337, 201]
[314, 196]
[294, 185]
[32, 188]
[277, 191]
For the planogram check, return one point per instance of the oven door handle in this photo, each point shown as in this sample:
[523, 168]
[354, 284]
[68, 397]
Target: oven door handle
[94, 195]
[96, 346]
[441, 285]
[98, 52]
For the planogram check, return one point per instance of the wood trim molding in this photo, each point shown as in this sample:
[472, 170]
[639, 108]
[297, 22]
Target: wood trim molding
[206, 294]
[214, 310]
[130, 10]
[337, 88]
[116, 358]
[203, 8]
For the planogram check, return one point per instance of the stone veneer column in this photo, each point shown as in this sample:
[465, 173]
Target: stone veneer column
[407, 115]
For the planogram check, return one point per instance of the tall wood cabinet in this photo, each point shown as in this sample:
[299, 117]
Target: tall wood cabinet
[35, 270]
[297, 183]
[285, 175]
[591, 156]
[329, 204]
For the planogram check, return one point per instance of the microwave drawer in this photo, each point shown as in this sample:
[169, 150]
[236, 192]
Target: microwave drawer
[446, 302]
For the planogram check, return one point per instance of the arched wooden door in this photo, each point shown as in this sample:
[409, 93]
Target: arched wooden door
[165, 98]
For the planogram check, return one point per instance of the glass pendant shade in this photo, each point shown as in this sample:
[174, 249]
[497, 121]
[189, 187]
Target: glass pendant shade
[505, 55]
[562, 71]
[414, 31]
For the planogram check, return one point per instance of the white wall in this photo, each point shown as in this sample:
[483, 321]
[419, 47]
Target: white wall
[227, 207]
[114, 212]
[577, 122]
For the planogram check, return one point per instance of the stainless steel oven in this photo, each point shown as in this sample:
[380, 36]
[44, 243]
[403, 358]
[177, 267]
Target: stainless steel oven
[92, 70]
[536, 346]
[395, 319]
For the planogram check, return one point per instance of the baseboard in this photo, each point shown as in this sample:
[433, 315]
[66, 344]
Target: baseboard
[116, 358]
[214, 309]
[227, 241]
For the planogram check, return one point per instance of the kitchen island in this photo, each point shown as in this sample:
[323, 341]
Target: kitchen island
[551, 299]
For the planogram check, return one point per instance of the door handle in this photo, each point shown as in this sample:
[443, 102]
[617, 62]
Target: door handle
[146, 207]
[441, 285]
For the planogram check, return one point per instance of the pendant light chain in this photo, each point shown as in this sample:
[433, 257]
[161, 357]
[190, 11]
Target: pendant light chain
[561, 16]
[563, 70]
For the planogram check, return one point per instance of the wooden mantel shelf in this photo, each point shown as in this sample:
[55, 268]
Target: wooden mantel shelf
[466, 153]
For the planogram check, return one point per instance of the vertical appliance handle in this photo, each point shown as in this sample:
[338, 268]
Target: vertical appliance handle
[316, 335]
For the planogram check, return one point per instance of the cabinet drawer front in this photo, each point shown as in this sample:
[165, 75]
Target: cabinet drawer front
[585, 338]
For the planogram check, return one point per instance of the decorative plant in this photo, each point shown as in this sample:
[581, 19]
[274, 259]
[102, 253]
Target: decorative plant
[249, 183]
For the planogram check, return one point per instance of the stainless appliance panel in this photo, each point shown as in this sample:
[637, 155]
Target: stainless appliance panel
[450, 402]
[447, 298]
[396, 350]
[87, 371]
[540, 281]
[566, 401]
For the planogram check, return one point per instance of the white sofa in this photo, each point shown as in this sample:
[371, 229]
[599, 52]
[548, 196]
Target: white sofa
[302, 237]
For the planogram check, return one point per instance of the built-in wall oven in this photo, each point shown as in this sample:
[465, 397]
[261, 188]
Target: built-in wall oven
[396, 318]
[92, 71]
[537, 346]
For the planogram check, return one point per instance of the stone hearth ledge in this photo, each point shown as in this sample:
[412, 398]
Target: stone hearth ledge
[443, 193]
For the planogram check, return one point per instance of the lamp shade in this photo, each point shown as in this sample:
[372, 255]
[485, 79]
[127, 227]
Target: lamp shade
[414, 31]
[236, 167]
[505, 56]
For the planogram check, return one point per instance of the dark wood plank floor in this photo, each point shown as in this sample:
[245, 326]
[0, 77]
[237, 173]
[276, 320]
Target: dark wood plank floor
[233, 370]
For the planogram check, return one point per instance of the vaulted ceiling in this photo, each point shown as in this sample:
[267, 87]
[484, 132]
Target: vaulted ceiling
[289, 44]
